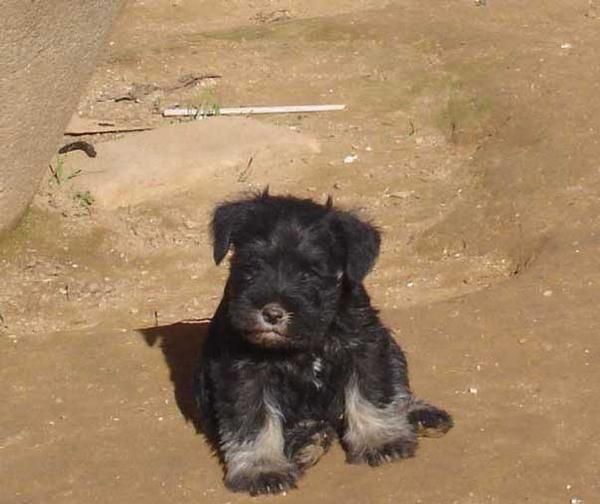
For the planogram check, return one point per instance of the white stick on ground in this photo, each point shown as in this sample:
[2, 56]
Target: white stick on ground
[186, 112]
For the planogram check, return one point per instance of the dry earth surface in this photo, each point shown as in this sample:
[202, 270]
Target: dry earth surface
[475, 127]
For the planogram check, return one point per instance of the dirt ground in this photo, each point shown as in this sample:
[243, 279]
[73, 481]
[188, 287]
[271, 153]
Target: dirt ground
[476, 131]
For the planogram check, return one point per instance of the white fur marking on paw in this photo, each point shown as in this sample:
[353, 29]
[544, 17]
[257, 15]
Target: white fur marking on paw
[265, 452]
[370, 427]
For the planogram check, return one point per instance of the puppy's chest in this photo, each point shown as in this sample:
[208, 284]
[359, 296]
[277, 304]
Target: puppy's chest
[311, 373]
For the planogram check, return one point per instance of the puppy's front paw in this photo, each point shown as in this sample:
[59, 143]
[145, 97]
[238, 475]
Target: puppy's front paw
[394, 450]
[263, 481]
[430, 421]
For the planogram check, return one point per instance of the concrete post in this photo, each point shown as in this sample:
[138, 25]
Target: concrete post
[48, 50]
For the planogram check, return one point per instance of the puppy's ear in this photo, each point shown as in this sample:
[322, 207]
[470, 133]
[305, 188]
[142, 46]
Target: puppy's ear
[362, 241]
[228, 219]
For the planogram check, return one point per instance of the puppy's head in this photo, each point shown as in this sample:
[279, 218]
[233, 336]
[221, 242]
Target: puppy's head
[292, 260]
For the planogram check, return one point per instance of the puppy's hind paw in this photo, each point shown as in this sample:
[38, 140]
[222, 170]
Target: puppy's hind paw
[389, 452]
[263, 482]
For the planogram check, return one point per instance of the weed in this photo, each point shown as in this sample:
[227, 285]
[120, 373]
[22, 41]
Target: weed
[206, 104]
[245, 173]
[86, 199]
[59, 173]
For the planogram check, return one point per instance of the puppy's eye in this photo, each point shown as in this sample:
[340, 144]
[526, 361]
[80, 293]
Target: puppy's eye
[305, 276]
[247, 274]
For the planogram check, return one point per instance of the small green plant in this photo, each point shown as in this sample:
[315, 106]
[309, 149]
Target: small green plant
[59, 174]
[86, 199]
[206, 103]
[59, 171]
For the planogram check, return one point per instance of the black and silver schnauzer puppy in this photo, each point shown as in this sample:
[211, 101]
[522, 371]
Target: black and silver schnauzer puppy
[296, 355]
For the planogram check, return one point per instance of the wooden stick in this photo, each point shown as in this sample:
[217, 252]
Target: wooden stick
[286, 109]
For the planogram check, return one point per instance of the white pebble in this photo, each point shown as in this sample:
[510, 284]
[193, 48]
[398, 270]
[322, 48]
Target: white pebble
[473, 390]
[350, 158]
[547, 293]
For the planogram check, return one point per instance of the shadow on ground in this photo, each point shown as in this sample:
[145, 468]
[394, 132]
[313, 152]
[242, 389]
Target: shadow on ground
[181, 344]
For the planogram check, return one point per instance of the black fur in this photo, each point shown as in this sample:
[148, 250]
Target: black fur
[296, 355]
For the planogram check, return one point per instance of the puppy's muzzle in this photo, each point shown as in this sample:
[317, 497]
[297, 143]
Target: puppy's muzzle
[270, 327]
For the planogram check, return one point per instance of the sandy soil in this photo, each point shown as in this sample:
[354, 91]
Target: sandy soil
[476, 134]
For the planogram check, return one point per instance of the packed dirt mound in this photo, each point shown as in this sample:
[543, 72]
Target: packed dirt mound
[183, 157]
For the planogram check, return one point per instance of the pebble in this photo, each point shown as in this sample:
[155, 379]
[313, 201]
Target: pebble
[473, 390]
[400, 194]
[547, 293]
[350, 158]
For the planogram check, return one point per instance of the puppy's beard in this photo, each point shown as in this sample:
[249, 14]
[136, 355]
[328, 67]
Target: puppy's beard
[259, 332]
[266, 338]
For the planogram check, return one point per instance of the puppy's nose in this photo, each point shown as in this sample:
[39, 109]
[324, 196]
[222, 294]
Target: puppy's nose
[273, 313]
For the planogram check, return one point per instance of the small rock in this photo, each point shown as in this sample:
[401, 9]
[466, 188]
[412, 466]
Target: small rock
[547, 293]
[473, 390]
[400, 194]
[350, 158]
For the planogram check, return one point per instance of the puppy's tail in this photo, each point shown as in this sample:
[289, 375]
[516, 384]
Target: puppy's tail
[428, 420]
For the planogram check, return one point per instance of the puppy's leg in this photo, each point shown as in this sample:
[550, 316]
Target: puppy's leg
[307, 441]
[256, 463]
[376, 433]
[428, 420]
